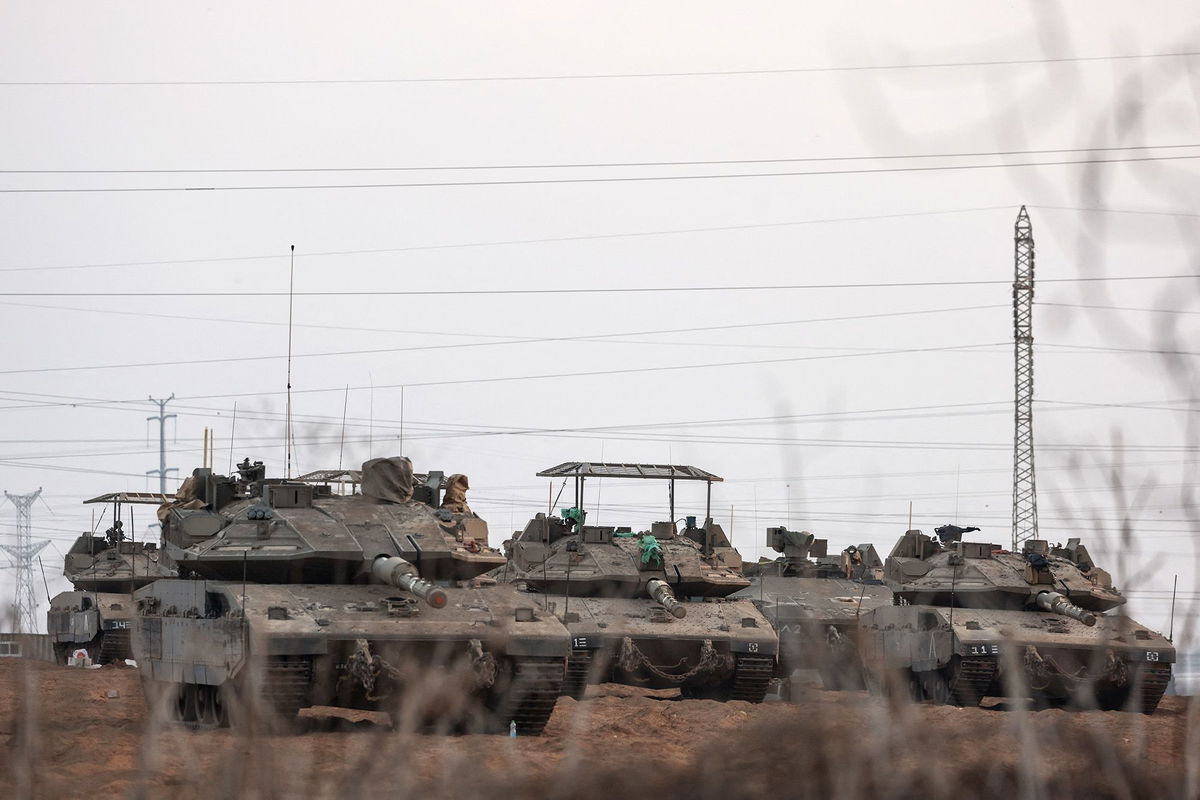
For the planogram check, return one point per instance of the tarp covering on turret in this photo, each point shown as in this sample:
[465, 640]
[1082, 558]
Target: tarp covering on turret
[455, 498]
[388, 480]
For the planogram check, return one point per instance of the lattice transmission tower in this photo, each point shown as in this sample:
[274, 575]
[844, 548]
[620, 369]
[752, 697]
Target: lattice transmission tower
[22, 554]
[1024, 514]
[161, 418]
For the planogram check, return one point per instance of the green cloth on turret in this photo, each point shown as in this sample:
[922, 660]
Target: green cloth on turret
[652, 554]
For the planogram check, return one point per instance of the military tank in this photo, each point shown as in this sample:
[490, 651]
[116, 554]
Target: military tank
[297, 595]
[96, 616]
[650, 607]
[975, 620]
[814, 602]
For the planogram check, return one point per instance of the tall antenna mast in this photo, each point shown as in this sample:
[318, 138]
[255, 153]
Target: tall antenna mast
[287, 434]
[162, 418]
[22, 555]
[1024, 518]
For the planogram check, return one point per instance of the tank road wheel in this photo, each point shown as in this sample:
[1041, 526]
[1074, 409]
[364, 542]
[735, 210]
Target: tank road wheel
[207, 707]
[184, 708]
[935, 687]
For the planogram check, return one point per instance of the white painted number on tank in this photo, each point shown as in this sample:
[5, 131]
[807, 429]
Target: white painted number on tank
[984, 649]
[752, 647]
[118, 624]
[1151, 655]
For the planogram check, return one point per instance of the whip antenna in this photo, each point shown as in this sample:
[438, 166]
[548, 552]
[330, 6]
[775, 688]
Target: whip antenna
[342, 441]
[287, 434]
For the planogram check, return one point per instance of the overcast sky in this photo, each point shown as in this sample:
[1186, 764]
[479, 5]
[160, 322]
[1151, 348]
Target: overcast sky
[494, 165]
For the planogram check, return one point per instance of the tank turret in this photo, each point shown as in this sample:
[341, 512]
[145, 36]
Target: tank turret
[299, 531]
[948, 571]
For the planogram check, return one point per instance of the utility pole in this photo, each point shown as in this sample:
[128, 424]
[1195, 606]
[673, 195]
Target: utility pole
[162, 418]
[1024, 514]
[22, 555]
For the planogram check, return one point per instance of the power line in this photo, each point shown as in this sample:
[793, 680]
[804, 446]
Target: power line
[579, 238]
[242, 359]
[508, 339]
[610, 179]
[513, 242]
[590, 164]
[601, 290]
[620, 75]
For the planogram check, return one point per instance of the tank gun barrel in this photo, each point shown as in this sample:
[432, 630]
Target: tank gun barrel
[1053, 601]
[396, 571]
[661, 593]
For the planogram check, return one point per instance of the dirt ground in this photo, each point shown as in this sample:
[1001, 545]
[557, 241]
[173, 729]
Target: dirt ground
[67, 733]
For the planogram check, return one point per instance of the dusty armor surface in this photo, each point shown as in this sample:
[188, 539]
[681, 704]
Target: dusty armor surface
[96, 617]
[814, 602]
[645, 608]
[976, 621]
[299, 596]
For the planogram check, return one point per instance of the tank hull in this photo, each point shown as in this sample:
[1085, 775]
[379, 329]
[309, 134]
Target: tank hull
[817, 620]
[722, 649]
[962, 655]
[486, 659]
[98, 622]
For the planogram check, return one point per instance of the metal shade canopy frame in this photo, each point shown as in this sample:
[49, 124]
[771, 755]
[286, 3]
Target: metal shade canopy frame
[582, 470]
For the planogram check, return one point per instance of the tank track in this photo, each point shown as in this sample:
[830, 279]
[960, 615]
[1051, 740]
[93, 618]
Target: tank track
[973, 680]
[285, 684]
[530, 698]
[115, 646]
[751, 676]
[1155, 678]
[579, 667]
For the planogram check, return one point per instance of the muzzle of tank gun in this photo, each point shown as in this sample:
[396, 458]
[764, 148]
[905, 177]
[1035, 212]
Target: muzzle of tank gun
[662, 594]
[395, 571]
[1053, 601]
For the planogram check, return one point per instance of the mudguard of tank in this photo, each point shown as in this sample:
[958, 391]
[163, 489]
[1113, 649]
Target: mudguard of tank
[484, 660]
[962, 655]
[98, 622]
[722, 649]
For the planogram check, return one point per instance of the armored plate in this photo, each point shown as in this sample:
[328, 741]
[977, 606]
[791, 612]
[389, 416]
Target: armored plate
[987, 632]
[737, 625]
[357, 646]
[722, 649]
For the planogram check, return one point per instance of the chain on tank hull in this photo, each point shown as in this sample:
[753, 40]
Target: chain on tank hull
[721, 649]
[963, 655]
[484, 660]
